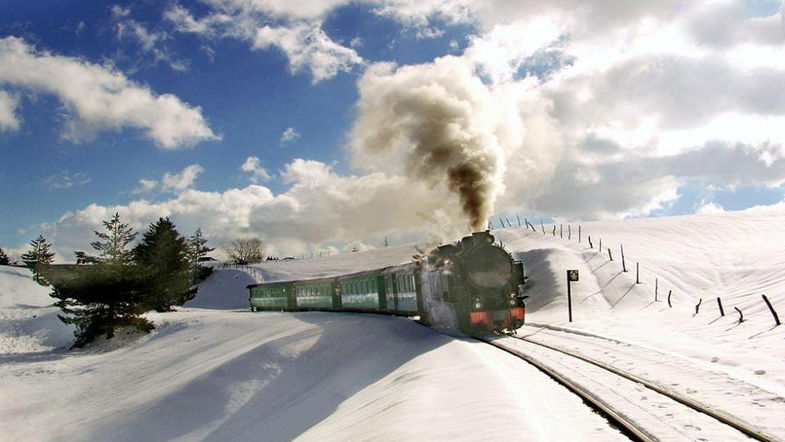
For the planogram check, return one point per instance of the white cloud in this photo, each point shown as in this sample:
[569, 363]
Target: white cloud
[289, 135]
[145, 186]
[133, 29]
[419, 14]
[283, 9]
[177, 182]
[725, 24]
[8, 118]
[500, 52]
[296, 32]
[171, 182]
[151, 43]
[709, 208]
[253, 165]
[99, 98]
[627, 105]
[307, 46]
[118, 11]
[66, 179]
[185, 22]
[319, 206]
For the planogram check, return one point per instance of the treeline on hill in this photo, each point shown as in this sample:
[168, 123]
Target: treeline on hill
[120, 283]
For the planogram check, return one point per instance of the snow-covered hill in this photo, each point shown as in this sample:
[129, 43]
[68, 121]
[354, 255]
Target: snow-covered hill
[737, 256]
[213, 370]
[28, 322]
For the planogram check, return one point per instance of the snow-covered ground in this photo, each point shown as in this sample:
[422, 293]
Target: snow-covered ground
[215, 371]
[737, 256]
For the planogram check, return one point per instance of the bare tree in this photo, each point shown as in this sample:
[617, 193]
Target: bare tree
[246, 250]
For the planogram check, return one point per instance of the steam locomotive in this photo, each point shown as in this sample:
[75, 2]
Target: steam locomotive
[474, 286]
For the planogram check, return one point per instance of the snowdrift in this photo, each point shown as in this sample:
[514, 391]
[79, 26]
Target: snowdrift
[224, 289]
[737, 256]
[273, 271]
[28, 322]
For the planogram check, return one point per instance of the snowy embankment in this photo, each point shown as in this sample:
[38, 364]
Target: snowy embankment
[214, 371]
[28, 321]
[338, 265]
[736, 256]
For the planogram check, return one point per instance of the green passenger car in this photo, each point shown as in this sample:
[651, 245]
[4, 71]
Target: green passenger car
[363, 292]
[406, 292]
[392, 290]
[314, 295]
[272, 296]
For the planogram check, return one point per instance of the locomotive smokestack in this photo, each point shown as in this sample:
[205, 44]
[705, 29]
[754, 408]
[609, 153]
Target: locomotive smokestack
[431, 125]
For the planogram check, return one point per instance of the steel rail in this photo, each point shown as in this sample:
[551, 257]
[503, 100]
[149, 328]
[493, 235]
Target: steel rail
[744, 427]
[630, 428]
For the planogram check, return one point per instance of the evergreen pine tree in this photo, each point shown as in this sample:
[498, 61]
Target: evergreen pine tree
[4, 259]
[163, 255]
[99, 298]
[197, 248]
[38, 256]
[113, 243]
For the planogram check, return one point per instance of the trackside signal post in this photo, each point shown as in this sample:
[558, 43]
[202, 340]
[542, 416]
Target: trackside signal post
[572, 275]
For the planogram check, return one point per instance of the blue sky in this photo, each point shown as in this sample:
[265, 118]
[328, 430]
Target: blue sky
[153, 108]
[249, 98]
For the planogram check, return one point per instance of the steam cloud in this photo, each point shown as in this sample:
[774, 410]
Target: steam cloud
[429, 123]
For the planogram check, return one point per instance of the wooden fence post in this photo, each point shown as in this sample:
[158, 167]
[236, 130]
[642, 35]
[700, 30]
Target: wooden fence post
[519, 220]
[697, 307]
[610, 255]
[773, 313]
[569, 231]
[719, 304]
[543, 227]
[637, 273]
[656, 288]
[669, 298]
[579, 233]
[561, 231]
[600, 244]
[623, 264]
[554, 230]
[591, 246]
[741, 316]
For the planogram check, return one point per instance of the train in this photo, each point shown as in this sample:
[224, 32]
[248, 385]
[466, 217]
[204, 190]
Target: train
[474, 286]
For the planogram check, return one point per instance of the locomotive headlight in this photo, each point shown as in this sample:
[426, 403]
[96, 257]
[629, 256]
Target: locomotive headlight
[512, 302]
[477, 302]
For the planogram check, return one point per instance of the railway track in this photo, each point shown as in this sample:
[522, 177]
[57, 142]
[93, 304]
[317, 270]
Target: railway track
[643, 410]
